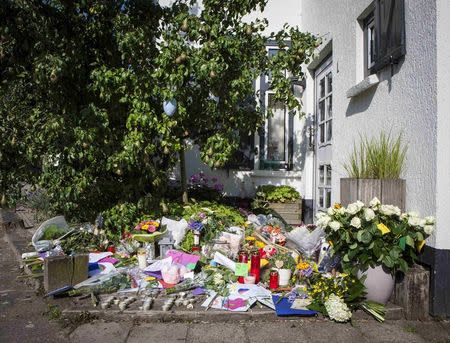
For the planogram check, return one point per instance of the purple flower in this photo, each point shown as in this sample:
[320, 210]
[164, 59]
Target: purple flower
[195, 178]
[196, 226]
[307, 272]
[218, 187]
[201, 215]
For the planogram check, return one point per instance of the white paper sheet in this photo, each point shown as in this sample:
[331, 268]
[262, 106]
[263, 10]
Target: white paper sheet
[159, 265]
[97, 256]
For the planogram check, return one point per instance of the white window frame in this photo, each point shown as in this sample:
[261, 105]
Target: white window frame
[324, 186]
[369, 27]
[325, 124]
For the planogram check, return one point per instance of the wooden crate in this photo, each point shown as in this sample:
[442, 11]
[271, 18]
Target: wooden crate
[389, 191]
[291, 212]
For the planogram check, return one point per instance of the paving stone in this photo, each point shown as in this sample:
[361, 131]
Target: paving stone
[399, 331]
[100, 332]
[279, 332]
[159, 332]
[435, 332]
[207, 333]
[324, 330]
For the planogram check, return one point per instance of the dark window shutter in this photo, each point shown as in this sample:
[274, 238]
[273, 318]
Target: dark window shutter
[244, 157]
[390, 24]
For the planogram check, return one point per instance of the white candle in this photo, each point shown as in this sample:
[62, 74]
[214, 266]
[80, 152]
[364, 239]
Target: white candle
[142, 258]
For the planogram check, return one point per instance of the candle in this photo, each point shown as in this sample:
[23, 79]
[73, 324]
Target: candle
[255, 265]
[243, 258]
[273, 281]
[142, 258]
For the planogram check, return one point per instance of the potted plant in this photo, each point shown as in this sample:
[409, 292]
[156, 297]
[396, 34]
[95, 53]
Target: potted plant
[374, 171]
[285, 200]
[376, 240]
[284, 263]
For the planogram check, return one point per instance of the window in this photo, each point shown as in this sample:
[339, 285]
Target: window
[276, 139]
[384, 35]
[369, 44]
[325, 107]
[324, 186]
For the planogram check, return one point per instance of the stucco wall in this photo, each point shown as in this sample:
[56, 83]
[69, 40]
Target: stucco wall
[405, 102]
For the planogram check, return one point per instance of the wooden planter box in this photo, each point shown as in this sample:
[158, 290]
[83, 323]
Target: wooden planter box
[389, 191]
[291, 212]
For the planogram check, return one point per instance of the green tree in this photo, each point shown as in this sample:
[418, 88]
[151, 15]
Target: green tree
[208, 62]
[83, 83]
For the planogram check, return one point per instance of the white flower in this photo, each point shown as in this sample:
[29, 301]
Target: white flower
[340, 210]
[414, 221]
[353, 208]
[323, 221]
[337, 309]
[375, 202]
[330, 211]
[218, 279]
[96, 232]
[369, 214]
[430, 220]
[428, 229]
[413, 214]
[360, 204]
[355, 222]
[403, 216]
[390, 210]
[335, 225]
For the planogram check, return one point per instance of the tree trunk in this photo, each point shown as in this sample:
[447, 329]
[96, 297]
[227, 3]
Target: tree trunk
[184, 193]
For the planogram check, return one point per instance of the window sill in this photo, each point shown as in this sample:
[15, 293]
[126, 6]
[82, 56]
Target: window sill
[364, 85]
[277, 173]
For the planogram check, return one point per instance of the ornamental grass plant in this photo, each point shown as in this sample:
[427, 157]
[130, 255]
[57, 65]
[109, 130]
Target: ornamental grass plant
[377, 158]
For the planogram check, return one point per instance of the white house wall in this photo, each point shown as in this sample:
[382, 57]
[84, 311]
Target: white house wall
[405, 102]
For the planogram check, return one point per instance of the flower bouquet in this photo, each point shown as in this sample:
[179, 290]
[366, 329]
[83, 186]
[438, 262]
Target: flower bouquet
[337, 295]
[375, 235]
[148, 231]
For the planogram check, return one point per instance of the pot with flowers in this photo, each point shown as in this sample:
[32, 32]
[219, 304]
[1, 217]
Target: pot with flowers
[376, 241]
[284, 263]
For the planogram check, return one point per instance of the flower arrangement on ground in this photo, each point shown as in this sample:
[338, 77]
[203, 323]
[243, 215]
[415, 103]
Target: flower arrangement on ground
[338, 294]
[147, 231]
[373, 235]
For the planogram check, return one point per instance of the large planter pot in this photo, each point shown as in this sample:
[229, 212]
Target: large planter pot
[389, 191]
[379, 284]
[284, 276]
[291, 212]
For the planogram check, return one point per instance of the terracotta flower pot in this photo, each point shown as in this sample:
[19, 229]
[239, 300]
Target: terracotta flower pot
[379, 284]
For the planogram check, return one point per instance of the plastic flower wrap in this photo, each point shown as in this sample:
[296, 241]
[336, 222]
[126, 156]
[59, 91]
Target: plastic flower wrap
[337, 309]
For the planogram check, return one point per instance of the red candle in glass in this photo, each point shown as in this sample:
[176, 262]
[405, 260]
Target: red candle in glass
[243, 258]
[255, 265]
[273, 281]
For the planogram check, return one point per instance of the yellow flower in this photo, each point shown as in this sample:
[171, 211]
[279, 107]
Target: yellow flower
[383, 228]
[250, 238]
[337, 206]
[303, 265]
[144, 227]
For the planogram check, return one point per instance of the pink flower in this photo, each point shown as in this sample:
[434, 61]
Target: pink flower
[151, 228]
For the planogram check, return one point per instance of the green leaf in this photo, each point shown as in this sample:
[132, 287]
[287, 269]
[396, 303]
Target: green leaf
[410, 241]
[402, 243]
[353, 246]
